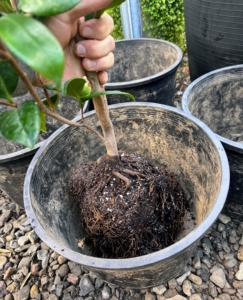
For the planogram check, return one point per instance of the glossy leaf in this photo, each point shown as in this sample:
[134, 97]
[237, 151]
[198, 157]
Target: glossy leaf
[6, 7]
[21, 124]
[34, 44]
[94, 95]
[46, 8]
[8, 80]
[43, 122]
[54, 100]
[73, 87]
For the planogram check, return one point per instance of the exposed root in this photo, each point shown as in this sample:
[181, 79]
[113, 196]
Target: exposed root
[125, 179]
[128, 207]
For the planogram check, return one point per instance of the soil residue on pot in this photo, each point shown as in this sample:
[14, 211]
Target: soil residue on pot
[129, 208]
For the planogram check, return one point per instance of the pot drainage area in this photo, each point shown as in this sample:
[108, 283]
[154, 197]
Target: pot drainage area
[29, 269]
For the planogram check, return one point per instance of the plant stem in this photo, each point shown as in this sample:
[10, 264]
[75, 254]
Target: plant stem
[102, 110]
[68, 122]
[46, 93]
[23, 76]
[8, 104]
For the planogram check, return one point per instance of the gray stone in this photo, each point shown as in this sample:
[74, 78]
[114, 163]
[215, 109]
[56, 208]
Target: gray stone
[224, 219]
[33, 237]
[195, 279]
[159, 290]
[181, 279]
[4, 217]
[218, 277]
[23, 240]
[24, 293]
[177, 297]
[196, 262]
[25, 262]
[63, 270]
[230, 263]
[195, 297]
[224, 297]
[59, 289]
[53, 297]
[221, 227]
[106, 292]
[187, 288]
[3, 261]
[172, 284]
[41, 254]
[67, 297]
[239, 274]
[213, 290]
[85, 285]
[7, 227]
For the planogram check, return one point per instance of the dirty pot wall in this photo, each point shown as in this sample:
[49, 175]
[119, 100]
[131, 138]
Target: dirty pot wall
[216, 98]
[164, 135]
[145, 68]
[214, 34]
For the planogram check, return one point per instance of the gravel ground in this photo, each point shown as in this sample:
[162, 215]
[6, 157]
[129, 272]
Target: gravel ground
[29, 269]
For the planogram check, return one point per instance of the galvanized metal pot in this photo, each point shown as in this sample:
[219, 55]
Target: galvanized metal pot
[164, 135]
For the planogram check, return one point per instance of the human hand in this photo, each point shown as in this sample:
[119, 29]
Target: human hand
[96, 51]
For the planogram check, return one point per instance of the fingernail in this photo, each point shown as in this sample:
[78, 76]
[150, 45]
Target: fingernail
[90, 64]
[87, 32]
[80, 49]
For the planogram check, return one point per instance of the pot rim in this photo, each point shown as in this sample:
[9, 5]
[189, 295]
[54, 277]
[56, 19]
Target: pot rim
[145, 260]
[228, 144]
[141, 81]
[26, 151]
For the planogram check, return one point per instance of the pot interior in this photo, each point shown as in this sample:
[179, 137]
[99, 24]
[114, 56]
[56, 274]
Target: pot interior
[217, 100]
[165, 137]
[141, 58]
[68, 107]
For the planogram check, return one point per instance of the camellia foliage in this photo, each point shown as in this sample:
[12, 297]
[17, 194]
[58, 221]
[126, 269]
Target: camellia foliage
[24, 37]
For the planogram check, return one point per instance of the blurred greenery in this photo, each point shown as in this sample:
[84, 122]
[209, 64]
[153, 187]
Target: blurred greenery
[163, 19]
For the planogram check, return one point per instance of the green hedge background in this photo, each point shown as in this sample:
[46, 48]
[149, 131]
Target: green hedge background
[163, 19]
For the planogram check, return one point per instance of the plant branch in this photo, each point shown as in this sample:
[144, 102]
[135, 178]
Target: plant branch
[42, 107]
[8, 104]
[46, 93]
[102, 110]
[23, 76]
[74, 124]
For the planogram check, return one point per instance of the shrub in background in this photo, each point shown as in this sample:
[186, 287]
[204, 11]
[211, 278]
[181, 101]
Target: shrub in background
[115, 14]
[163, 19]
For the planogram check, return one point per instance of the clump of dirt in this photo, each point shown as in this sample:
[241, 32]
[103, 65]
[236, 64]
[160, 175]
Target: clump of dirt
[128, 207]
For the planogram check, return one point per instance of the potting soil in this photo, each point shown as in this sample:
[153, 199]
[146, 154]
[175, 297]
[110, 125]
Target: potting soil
[128, 207]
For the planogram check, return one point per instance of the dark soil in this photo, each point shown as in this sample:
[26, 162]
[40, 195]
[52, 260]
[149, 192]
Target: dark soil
[128, 207]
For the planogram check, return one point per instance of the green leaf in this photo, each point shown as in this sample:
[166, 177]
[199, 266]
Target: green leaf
[43, 122]
[94, 95]
[34, 44]
[54, 100]
[46, 8]
[4, 92]
[73, 87]
[113, 4]
[6, 7]
[8, 80]
[21, 124]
